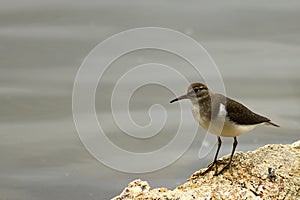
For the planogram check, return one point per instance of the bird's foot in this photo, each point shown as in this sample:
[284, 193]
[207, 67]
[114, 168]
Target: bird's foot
[223, 169]
[216, 163]
[222, 162]
[211, 165]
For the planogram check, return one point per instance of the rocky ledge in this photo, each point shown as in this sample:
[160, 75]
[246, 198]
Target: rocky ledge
[270, 172]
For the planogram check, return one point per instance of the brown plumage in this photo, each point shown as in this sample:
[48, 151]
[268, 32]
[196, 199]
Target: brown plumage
[240, 114]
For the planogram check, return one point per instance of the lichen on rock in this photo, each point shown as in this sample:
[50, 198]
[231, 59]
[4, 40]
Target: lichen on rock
[270, 172]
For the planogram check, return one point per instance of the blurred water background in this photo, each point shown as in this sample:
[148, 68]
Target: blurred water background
[255, 44]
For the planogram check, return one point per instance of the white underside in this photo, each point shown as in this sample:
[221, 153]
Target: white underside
[221, 126]
[228, 129]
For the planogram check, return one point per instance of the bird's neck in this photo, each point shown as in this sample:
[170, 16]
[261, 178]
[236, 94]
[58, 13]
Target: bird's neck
[203, 104]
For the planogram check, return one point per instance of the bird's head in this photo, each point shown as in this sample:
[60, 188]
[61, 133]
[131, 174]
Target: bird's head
[194, 92]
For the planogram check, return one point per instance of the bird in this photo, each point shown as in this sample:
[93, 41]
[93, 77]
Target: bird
[221, 116]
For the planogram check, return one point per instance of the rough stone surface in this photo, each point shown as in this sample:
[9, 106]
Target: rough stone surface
[248, 178]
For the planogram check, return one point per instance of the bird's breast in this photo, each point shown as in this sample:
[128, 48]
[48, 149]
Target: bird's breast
[201, 119]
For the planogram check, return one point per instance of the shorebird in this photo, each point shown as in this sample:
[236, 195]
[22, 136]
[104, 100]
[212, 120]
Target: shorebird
[221, 116]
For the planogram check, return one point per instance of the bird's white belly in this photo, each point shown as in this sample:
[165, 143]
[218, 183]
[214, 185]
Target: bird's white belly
[225, 128]
[231, 130]
[221, 126]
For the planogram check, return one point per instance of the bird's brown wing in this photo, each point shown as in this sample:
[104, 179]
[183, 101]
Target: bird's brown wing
[238, 113]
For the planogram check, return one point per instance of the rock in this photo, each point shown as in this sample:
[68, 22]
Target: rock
[270, 172]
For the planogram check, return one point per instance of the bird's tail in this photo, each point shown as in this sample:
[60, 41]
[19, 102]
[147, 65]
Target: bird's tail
[273, 124]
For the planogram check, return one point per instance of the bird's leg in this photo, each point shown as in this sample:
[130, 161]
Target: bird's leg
[228, 164]
[215, 159]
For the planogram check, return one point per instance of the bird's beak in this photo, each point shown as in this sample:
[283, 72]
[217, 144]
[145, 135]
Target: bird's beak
[179, 98]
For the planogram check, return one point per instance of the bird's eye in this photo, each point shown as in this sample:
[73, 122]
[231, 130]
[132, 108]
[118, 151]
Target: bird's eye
[196, 90]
